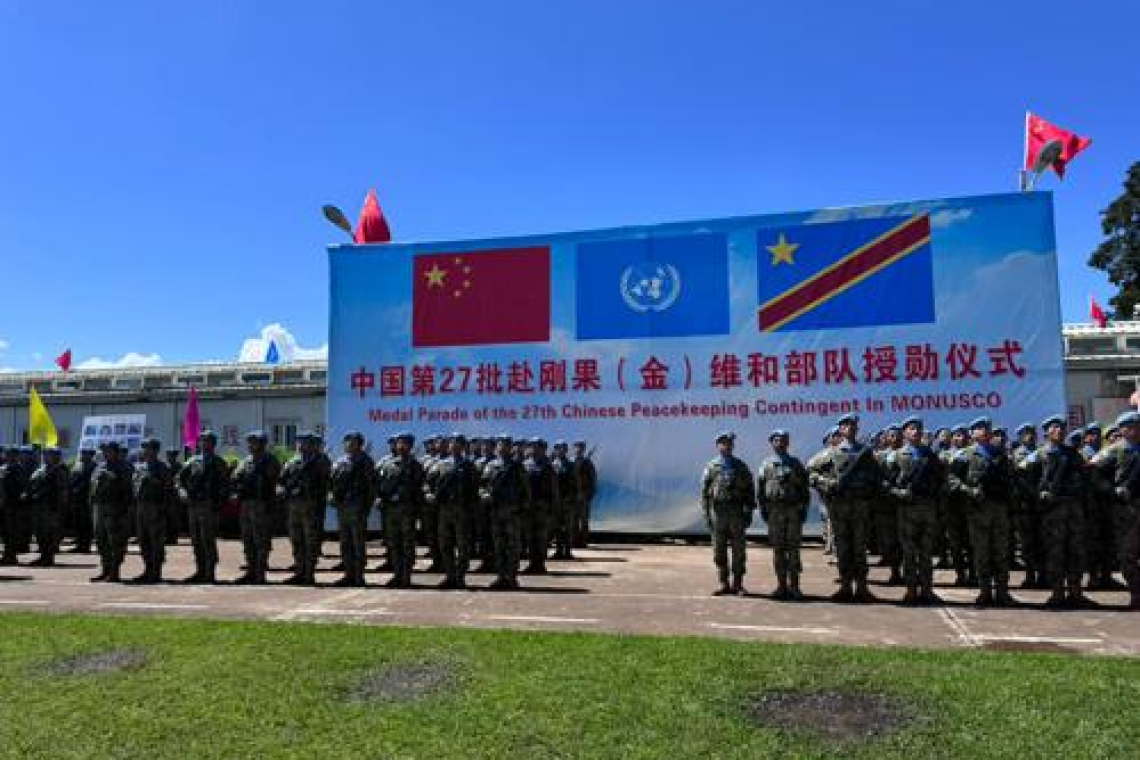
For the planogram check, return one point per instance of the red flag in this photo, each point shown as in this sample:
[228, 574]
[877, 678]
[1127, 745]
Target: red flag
[372, 227]
[1039, 133]
[1096, 313]
[481, 297]
[64, 360]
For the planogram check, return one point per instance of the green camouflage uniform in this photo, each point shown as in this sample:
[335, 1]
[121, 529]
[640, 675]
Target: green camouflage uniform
[543, 497]
[1027, 518]
[111, 497]
[983, 479]
[505, 489]
[305, 486]
[453, 491]
[48, 494]
[956, 527]
[586, 484]
[783, 494]
[566, 506]
[728, 497]
[1060, 492]
[848, 476]
[885, 514]
[915, 479]
[255, 484]
[204, 485]
[153, 486]
[401, 483]
[1118, 468]
[353, 484]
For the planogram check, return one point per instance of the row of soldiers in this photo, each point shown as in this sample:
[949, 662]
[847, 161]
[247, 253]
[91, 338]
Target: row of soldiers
[1062, 510]
[496, 499]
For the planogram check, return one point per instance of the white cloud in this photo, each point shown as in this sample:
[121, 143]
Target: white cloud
[940, 220]
[130, 359]
[4, 345]
[254, 349]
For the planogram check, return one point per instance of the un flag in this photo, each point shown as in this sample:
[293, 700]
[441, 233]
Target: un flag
[659, 287]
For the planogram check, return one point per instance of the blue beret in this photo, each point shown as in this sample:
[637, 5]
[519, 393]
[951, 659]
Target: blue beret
[208, 434]
[981, 422]
[1108, 431]
[1094, 425]
[112, 446]
[306, 435]
[579, 442]
[1075, 436]
[725, 435]
[778, 433]
[830, 432]
[1056, 419]
[27, 450]
[914, 419]
[959, 428]
[846, 419]
[536, 441]
[458, 437]
[1001, 430]
[1025, 427]
[1128, 418]
[151, 443]
[54, 450]
[560, 442]
[405, 435]
[503, 438]
[256, 435]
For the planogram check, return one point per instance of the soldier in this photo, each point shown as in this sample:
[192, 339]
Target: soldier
[1025, 521]
[112, 493]
[304, 486]
[849, 476]
[566, 506]
[175, 509]
[728, 497]
[401, 482]
[255, 485]
[982, 475]
[505, 489]
[914, 477]
[48, 497]
[1100, 549]
[153, 485]
[822, 459]
[586, 483]
[20, 511]
[80, 487]
[486, 541]
[353, 483]
[885, 511]
[783, 494]
[1118, 469]
[1060, 489]
[954, 524]
[203, 484]
[11, 489]
[428, 515]
[543, 496]
[453, 490]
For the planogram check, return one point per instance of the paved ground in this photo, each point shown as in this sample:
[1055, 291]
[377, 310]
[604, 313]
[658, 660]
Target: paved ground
[647, 589]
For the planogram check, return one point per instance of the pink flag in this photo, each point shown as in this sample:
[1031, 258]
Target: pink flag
[191, 423]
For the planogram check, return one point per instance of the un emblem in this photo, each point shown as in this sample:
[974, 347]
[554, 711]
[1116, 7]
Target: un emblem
[650, 286]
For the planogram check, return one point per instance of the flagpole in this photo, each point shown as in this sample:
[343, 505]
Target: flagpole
[1023, 174]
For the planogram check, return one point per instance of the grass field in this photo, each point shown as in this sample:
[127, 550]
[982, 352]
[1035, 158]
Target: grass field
[200, 689]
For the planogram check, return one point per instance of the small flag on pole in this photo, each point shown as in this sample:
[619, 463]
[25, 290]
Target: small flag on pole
[372, 226]
[271, 354]
[1040, 135]
[63, 361]
[1096, 313]
[41, 429]
[191, 422]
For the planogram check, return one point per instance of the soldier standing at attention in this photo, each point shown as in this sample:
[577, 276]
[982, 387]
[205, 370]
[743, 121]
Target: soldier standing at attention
[80, 486]
[353, 490]
[453, 491]
[728, 497]
[1100, 549]
[914, 476]
[112, 491]
[203, 483]
[153, 487]
[175, 510]
[822, 459]
[304, 486]
[48, 494]
[983, 477]
[954, 521]
[850, 477]
[255, 484]
[543, 495]
[1118, 468]
[401, 482]
[783, 494]
[566, 506]
[1060, 491]
[1026, 521]
[586, 477]
[485, 545]
[885, 511]
[11, 488]
[506, 492]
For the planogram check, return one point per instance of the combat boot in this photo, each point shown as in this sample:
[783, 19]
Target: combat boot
[1077, 598]
[246, 579]
[910, 598]
[1134, 596]
[197, 577]
[1002, 596]
[1056, 600]
[447, 584]
[926, 595]
[794, 587]
[781, 593]
[1030, 580]
[738, 584]
[863, 594]
[101, 577]
[296, 579]
[500, 583]
[896, 578]
[9, 560]
[725, 589]
[985, 597]
[844, 593]
[960, 579]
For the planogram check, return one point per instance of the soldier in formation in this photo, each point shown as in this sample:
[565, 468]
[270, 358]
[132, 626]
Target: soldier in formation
[728, 497]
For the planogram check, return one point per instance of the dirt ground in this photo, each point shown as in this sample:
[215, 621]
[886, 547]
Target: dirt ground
[619, 588]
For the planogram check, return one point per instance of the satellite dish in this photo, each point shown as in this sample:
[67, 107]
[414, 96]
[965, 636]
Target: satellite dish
[337, 217]
[1048, 156]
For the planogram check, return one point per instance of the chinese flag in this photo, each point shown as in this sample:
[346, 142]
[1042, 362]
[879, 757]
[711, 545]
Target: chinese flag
[1096, 313]
[1039, 133]
[63, 361]
[481, 297]
[372, 227]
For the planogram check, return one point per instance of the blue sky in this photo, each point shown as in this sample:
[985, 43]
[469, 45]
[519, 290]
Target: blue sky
[162, 165]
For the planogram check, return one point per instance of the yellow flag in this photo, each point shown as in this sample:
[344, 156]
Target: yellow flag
[41, 429]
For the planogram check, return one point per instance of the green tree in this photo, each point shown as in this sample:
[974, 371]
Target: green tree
[1119, 255]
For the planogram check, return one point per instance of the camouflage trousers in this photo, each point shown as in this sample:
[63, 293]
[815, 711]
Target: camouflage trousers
[505, 535]
[453, 540]
[582, 522]
[565, 514]
[1100, 549]
[204, 535]
[306, 530]
[538, 533]
[1027, 522]
[1128, 543]
[150, 526]
[352, 522]
[785, 533]
[112, 532]
[1062, 531]
[989, 540]
[849, 518]
[728, 524]
[256, 536]
[47, 528]
[401, 539]
[429, 524]
[481, 534]
[918, 534]
[885, 513]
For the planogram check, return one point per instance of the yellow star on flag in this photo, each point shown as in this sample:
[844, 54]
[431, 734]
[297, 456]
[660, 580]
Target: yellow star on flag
[435, 276]
[782, 251]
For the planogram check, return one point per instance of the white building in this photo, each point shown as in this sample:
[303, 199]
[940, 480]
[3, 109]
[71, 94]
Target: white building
[1102, 374]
